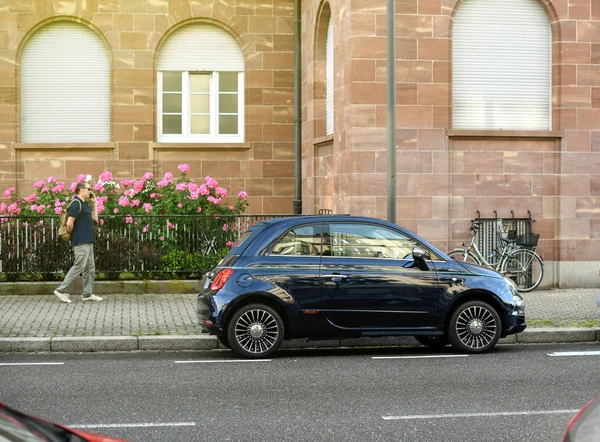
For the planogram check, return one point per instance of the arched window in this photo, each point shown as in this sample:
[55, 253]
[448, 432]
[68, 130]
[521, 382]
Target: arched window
[200, 86]
[65, 86]
[501, 66]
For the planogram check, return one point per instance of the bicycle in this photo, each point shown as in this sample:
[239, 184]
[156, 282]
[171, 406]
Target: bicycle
[516, 261]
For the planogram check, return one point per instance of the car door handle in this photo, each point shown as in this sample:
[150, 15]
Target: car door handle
[335, 277]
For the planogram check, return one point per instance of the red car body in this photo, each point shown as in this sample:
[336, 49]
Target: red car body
[15, 424]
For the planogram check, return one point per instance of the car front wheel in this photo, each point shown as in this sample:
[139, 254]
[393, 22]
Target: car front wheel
[475, 327]
[255, 331]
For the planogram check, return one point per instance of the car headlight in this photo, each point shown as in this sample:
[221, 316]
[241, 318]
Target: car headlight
[513, 286]
[518, 301]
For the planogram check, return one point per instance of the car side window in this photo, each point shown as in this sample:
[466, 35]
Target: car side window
[356, 240]
[300, 241]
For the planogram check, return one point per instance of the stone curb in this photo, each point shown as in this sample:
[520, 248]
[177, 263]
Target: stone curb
[204, 342]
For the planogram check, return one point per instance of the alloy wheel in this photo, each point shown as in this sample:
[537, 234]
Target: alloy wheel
[257, 331]
[475, 327]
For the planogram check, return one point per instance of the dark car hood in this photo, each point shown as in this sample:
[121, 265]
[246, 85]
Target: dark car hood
[479, 270]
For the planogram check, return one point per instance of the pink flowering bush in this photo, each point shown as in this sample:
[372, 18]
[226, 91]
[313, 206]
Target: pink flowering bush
[162, 225]
[144, 196]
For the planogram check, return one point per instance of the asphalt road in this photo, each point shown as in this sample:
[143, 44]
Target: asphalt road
[515, 393]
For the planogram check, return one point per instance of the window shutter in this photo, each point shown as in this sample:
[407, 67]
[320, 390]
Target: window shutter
[501, 66]
[329, 79]
[65, 86]
[200, 47]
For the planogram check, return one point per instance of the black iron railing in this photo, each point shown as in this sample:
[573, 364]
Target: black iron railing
[153, 246]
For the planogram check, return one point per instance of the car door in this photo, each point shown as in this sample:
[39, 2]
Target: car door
[370, 281]
[291, 266]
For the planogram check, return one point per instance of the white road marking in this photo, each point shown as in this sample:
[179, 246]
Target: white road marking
[501, 413]
[32, 363]
[419, 357]
[208, 361]
[575, 353]
[149, 424]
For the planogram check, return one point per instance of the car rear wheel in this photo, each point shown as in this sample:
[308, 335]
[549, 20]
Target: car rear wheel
[432, 341]
[255, 331]
[475, 327]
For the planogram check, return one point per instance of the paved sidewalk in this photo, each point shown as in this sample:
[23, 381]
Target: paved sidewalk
[168, 321]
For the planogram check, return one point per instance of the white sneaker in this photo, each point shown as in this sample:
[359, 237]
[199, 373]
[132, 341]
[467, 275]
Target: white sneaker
[92, 298]
[64, 297]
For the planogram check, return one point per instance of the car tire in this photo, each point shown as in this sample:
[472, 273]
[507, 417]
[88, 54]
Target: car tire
[433, 341]
[475, 327]
[224, 341]
[255, 331]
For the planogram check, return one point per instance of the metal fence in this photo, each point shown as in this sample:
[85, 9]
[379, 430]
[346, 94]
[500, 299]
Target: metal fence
[152, 246]
[493, 230]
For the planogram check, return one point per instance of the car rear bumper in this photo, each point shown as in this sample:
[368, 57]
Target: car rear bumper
[206, 318]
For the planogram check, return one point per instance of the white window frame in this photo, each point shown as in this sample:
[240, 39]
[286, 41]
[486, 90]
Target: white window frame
[214, 137]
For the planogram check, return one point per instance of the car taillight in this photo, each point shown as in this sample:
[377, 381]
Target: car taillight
[221, 279]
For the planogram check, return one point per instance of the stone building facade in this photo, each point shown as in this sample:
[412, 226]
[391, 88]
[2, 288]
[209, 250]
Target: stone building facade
[446, 171]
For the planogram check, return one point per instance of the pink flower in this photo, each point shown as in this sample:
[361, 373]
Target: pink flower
[81, 178]
[101, 222]
[58, 210]
[128, 219]
[231, 207]
[193, 187]
[14, 209]
[204, 190]
[72, 186]
[98, 186]
[199, 209]
[210, 182]
[145, 229]
[168, 176]
[147, 207]
[100, 206]
[115, 210]
[184, 168]
[8, 192]
[171, 225]
[51, 179]
[153, 195]
[2, 207]
[162, 238]
[129, 192]
[162, 183]
[225, 227]
[181, 186]
[126, 183]
[230, 244]
[221, 192]
[30, 198]
[194, 195]
[148, 176]
[213, 200]
[123, 201]
[180, 205]
[138, 186]
[242, 194]
[135, 203]
[39, 184]
[106, 176]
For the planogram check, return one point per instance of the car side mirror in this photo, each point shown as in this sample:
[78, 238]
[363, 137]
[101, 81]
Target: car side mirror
[419, 257]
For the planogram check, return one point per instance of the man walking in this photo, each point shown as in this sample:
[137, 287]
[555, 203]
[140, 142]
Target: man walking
[80, 224]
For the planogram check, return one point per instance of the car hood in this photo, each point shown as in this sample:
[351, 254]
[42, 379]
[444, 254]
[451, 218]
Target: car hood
[479, 270]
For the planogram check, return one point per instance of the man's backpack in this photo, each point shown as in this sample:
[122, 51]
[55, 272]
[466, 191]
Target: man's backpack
[62, 226]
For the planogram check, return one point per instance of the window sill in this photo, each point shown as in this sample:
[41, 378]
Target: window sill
[540, 134]
[65, 145]
[327, 139]
[201, 146]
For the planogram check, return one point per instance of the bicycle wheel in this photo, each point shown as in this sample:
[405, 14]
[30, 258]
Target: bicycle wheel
[464, 256]
[525, 268]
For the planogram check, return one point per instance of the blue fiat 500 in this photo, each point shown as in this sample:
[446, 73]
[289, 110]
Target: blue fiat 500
[323, 277]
